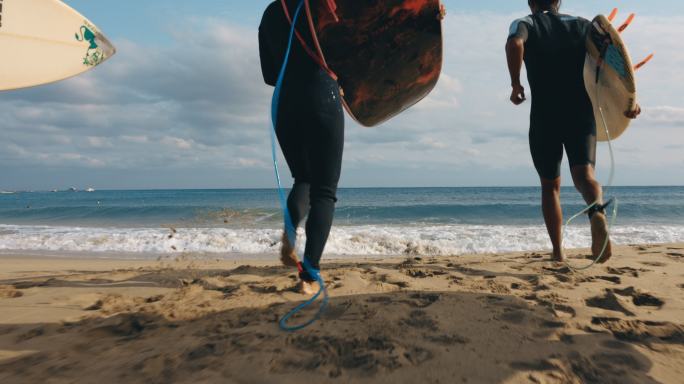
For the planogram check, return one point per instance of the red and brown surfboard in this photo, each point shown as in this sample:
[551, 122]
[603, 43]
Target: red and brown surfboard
[386, 54]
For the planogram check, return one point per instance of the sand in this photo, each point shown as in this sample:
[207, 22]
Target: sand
[514, 318]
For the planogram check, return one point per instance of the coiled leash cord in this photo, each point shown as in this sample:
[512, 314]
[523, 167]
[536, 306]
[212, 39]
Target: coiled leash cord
[290, 229]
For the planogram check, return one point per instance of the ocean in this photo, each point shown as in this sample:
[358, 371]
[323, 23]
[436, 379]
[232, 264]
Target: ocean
[369, 222]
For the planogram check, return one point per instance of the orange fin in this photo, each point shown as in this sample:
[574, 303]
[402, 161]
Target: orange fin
[612, 15]
[626, 23]
[643, 62]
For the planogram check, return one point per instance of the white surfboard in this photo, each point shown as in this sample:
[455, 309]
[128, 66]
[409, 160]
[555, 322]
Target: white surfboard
[43, 41]
[609, 78]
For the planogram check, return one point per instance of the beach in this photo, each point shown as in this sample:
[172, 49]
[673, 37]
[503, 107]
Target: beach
[495, 318]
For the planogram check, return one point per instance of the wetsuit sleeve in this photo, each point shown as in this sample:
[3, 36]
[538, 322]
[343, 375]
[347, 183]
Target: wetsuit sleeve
[520, 29]
[269, 69]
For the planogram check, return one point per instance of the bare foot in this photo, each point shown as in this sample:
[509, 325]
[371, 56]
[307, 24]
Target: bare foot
[599, 236]
[309, 288]
[288, 256]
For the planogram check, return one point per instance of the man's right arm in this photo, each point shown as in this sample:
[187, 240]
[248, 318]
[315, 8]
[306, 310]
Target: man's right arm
[515, 53]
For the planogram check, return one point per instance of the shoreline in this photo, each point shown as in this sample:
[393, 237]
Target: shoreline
[504, 317]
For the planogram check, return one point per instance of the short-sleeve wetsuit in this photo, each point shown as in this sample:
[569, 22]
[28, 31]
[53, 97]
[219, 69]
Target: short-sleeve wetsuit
[562, 114]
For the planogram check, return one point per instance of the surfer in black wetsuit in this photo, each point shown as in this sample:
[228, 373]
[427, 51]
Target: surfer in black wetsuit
[553, 48]
[310, 130]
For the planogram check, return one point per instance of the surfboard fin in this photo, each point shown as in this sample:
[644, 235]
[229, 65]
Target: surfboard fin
[626, 23]
[612, 15]
[643, 62]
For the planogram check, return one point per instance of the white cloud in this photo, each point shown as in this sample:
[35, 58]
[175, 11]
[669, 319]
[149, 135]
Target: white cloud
[664, 115]
[177, 142]
[98, 142]
[135, 139]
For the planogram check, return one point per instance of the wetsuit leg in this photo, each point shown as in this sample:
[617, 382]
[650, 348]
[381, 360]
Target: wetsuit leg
[289, 130]
[546, 146]
[311, 135]
[325, 145]
[580, 146]
[298, 201]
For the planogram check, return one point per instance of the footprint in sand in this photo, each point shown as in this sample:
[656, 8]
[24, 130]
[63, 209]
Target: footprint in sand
[31, 334]
[640, 299]
[421, 320]
[591, 279]
[357, 354]
[563, 274]
[423, 273]
[421, 300]
[654, 264]
[625, 271]
[389, 280]
[537, 366]
[513, 316]
[619, 360]
[561, 270]
[641, 331]
[446, 339]
[612, 279]
[206, 350]
[127, 327]
[379, 300]
[552, 324]
[554, 304]
[610, 302]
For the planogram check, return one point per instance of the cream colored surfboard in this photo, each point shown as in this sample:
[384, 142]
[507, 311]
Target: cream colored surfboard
[609, 78]
[43, 41]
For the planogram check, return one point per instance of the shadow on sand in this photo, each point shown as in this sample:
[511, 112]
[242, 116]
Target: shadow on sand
[395, 337]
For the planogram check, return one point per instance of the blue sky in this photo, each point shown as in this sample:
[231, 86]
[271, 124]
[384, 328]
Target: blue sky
[182, 105]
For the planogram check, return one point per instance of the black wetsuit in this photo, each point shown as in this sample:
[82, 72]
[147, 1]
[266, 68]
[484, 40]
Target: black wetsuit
[310, 128]
[562, 113]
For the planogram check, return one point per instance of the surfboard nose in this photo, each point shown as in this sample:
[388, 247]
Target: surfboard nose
[108, 49]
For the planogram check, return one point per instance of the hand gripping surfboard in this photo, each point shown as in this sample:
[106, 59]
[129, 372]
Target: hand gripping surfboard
[43, 41]
[386, 54]
[609, 76]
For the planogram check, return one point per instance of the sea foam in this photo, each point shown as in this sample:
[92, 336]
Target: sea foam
[345, 241]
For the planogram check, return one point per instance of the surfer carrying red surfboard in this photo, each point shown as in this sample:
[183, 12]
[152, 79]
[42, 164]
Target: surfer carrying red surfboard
[553, 48]
[310, 130]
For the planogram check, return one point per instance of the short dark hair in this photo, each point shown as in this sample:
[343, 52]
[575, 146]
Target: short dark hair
[546, 5]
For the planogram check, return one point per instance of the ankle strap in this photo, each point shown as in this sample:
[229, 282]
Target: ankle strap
[599, 208]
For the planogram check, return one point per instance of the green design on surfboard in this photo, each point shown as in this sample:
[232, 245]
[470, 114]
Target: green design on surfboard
[94, 55]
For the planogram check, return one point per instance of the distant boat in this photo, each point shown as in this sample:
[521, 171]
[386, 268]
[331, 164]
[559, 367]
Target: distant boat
[6, 193]
[72, 189]
[90, 190]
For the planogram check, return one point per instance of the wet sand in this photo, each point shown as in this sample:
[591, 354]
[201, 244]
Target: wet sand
[507, 318]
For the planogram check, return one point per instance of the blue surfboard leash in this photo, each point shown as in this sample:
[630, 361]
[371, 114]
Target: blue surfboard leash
[290, 229]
